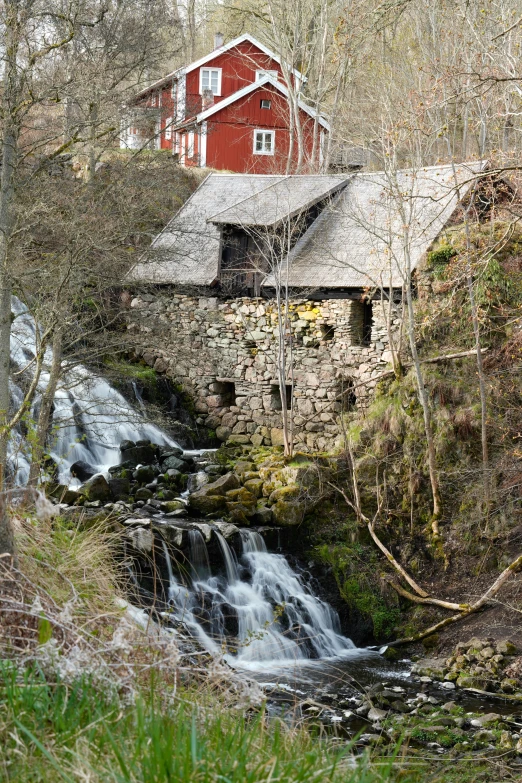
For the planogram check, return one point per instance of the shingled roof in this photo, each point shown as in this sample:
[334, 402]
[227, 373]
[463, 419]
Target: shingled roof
[358, 241]
[188, 250]
[280, 200]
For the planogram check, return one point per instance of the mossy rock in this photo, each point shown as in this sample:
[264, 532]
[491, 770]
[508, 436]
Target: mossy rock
[206, 504]
[243, 466]
[285, 494]
[96, 488]
[239, 514]
[255, 487]
[242, 495]
[288, 514]
[172, 505]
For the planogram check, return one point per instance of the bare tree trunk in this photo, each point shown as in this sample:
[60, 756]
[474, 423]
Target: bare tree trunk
[93, 116]
[44, 417]
[10, 137]
[424, 401]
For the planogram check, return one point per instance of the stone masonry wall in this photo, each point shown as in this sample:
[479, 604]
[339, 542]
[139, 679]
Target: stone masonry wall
[223, 353]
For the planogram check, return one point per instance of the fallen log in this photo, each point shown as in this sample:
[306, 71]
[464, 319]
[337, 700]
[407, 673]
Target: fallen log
[473, 608]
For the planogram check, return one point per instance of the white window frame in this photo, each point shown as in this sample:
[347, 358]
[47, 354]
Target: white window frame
[190, 145]
[265, 100]
[264, 131]
[260, 74]
[168, 128]
[219, 73]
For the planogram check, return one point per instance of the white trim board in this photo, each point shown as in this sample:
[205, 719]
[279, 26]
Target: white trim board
[222, 49]
[204, 115]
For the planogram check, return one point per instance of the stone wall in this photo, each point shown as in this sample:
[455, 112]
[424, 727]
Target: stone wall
[223, 353]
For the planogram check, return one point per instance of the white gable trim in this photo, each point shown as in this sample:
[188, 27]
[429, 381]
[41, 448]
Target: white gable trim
[204, 115]
[235, 42]
[225, 48]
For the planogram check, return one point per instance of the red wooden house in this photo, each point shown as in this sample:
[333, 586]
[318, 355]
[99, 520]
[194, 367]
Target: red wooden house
[228, 110]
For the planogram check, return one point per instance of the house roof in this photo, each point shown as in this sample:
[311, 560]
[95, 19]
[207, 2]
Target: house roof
[264, 82]
[284, 198]
[358, 240]
[188, 250]
[246, 37]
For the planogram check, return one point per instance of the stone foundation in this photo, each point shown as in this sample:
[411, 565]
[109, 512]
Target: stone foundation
[223, 353]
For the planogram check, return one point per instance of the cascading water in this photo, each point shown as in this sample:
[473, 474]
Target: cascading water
[259, 608]
[255, 606]
[90, 417]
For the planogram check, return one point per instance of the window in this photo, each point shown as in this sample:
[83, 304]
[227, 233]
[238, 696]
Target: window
[168, 127]
[261, 75]
[361, 322]
[346, 395]
[210, 79]
[264, 142]
[367, 323]
[265, 104]
[275, 397]
[190, 146]
[327, 332]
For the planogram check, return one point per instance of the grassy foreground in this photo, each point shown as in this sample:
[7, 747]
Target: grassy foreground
[52, 731]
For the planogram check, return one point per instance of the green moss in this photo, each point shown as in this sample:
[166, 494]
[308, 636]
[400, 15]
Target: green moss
[439, 258]
[137, 371]
[355, 568]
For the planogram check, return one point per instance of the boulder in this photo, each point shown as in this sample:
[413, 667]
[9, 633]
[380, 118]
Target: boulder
[255, 486]
[173, 462]
[505, 647]
[222, 485]
[284, 493]
[223, 433]
[431, 667]
[242, 495]
[287, 514]
[140, 455]
[243, 466]
[262, 516]
[96, 488]
[82, 470]
[375, 714]
[125, 445]
[141, 539]
[226, 529]
[143, 494]
[277, 437]
[120, 488]
[239, 514]
[145, 474]
[172, 505]
[206, 504]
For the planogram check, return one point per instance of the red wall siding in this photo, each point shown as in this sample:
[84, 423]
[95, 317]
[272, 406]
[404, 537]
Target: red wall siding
[167, 113]
[230, 135]
[239, 67]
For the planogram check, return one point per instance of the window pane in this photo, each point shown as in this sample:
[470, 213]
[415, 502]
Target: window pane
[214, 81]
[259, 142]
[268, 142]
[204, 79]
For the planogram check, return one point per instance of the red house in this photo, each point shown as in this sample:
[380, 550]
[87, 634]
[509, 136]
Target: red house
[229, 110]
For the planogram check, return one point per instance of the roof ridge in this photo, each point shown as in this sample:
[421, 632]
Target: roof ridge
[247, 198]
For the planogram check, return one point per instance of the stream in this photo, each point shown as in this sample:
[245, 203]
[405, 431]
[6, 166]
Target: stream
[234, 596]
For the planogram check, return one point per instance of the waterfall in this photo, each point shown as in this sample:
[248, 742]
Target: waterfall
[90, 418]
[258, 607]
[198, 556]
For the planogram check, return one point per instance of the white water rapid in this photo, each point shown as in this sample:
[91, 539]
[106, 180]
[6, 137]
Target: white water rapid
[90, 417]
[257, 607]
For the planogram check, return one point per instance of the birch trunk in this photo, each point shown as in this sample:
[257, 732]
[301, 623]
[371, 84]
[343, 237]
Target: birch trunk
[46, 407]
[10, 137]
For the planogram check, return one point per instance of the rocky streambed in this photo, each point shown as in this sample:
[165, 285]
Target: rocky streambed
[197, 528]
